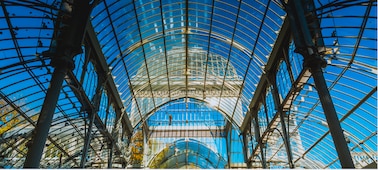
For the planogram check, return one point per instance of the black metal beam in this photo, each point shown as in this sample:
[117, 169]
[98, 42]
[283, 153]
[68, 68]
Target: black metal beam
[15, 42]
[110, 157]
[101, 64]
[86, 102]
[92, 113]
[303, 77]
[332, 119]
[272, 67]
[281, 113]
[40, 133]
[259, 142]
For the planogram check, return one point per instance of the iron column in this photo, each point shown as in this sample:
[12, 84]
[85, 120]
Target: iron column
[309, 43]
[69, 32]
[87, 140]
[331, 116]
[260, 142]
[110, 158]
[41, 131]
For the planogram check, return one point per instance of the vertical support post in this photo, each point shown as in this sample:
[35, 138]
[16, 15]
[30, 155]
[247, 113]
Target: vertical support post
[60, 160]
[92, 114]
[286, 139]
[228, 148]
[259, 142]
[145, 144]
[106, 116]
[41, 131]
[129, 136]
[245, 150]
[332, 120]
[87, 141]
[70, 31]
[110, 158]
[309, 43]
[278, 107]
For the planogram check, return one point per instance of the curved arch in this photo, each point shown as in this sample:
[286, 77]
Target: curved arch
[218, 79]
[168, 163]
[150, 113]
[182, 147]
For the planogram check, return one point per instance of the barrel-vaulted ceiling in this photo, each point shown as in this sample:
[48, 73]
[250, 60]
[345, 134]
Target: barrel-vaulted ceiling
[217, 51]
[212, 51]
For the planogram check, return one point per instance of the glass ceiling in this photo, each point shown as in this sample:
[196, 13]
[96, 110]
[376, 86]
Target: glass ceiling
[208, 50]
[153, 54]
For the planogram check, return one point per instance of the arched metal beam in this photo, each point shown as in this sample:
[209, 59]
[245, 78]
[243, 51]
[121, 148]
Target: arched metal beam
[150, 113]
[198, 153]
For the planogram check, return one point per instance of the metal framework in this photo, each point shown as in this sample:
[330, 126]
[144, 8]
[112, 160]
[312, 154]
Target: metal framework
[188, 84]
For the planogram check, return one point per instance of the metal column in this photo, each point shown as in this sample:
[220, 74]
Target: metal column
[110, 158]
[92, 114]
[309, 43]
[228, 148]
[69, 30]
[87, 141]
[332, 119]
[40, 133]
[245, 150]
[60, 160]
[278, 107]
[286, 139]
[259, 141]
